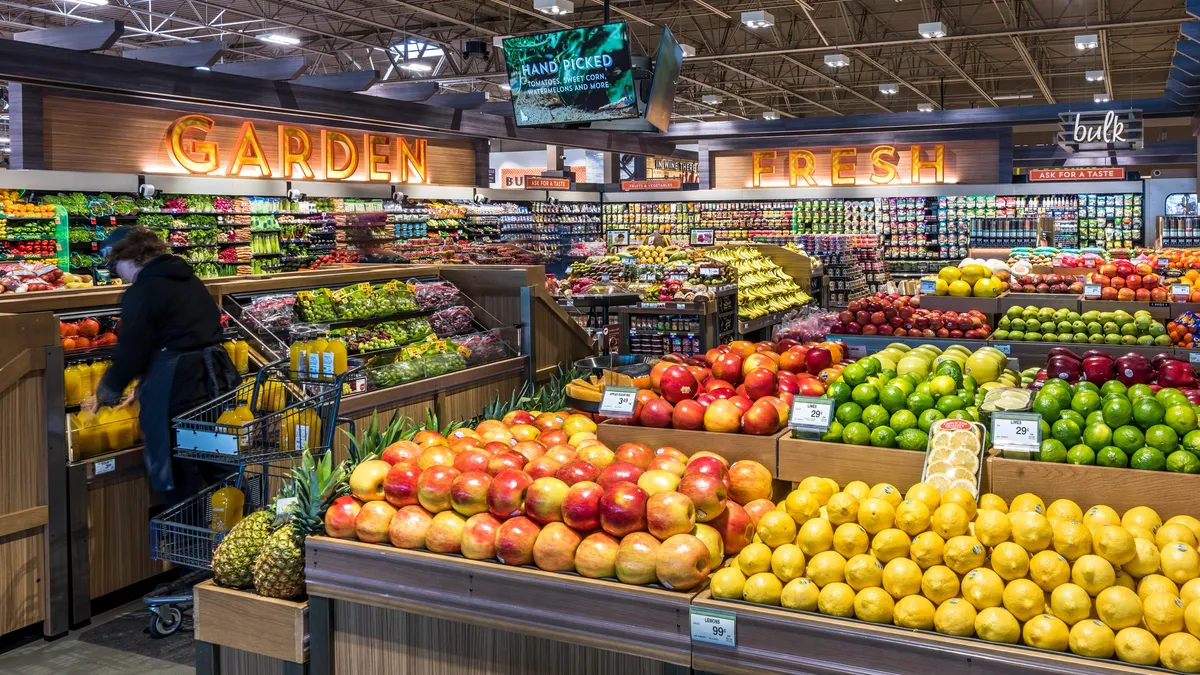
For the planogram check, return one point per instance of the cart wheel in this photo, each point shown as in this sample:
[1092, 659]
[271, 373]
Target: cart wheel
[165, 621]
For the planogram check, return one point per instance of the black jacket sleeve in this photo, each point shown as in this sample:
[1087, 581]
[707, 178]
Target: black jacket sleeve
[135, 348]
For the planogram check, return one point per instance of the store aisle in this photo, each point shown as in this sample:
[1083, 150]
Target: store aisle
[113, 644]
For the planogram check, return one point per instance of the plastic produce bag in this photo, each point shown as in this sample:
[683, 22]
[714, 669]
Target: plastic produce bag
[445, 362]
[315, 306]
[356, 302]
[453, 321]
[484, 347]
[269, 312]
[435, 295]
[395, 298]
[389, 370]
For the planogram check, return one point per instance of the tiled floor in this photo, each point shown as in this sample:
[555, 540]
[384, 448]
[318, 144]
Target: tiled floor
[71, 656]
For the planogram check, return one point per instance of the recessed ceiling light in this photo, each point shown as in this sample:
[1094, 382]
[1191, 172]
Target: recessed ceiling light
[759, 18]
[416, 67]
[932, 30]
[554, 7]
[280, 39]
[710, 99]
[889, 89]
[1085, 42]
[837, 60]
[203, 68]
[1094, 76]
[3, 139]
[1100, 98]
[91, 3]
[506, 87]
[770, 115]
[924, 107]
[688, 51]
[1011, 97]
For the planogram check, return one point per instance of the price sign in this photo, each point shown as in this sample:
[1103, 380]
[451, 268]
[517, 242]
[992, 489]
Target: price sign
[928, 287]
[811, 414]
[1193, 357]
[710, 271]
[285, 505]
[1091, 290]
[1004, 349]
[714, 627]
[1163, 262]
[104, 466]
[857, 351]
[618, 401]
[1016, 431]
[1181, 291]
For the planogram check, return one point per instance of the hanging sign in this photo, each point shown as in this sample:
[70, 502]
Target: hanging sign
[652, 184]
[1041, 175]
[1100, 130]
[544, 183]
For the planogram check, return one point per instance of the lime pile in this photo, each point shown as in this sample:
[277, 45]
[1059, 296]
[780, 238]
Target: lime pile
[1117, 426]
[1044, 324]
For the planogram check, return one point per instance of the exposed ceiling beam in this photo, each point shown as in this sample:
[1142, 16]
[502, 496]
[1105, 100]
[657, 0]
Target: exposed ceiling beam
[714, 10]
[835, 83]
[1102, 36]
[1019, 46]
[899, 80]
[776, 87]
[529, 12]
[963, 74]
[736, 97]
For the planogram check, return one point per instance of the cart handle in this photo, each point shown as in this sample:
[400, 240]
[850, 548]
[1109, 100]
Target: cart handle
[346, 421]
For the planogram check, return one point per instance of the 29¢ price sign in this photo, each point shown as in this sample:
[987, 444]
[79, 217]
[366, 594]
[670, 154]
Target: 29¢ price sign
[811, 414]
[1017, 431]
[714, 627]
[618, 401]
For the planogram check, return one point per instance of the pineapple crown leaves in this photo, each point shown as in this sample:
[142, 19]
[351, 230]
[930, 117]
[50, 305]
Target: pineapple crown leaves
[315, 484]
[373, 441]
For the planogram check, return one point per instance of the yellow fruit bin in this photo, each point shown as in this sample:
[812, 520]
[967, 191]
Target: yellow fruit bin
[109, 430]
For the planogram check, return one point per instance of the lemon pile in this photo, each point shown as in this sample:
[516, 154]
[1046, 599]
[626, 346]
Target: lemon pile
[1096, 583]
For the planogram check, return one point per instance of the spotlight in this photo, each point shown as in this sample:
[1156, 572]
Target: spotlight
[837, 60]
[932, 30]
[924, 107]
[554, 7]
[1085, 42]
[688, 51]
[280, 39]
[889, 89]
[770, 115]
[1094, 76]
[1100, 98]
[710, 99]
[416, 67]
[759, 18]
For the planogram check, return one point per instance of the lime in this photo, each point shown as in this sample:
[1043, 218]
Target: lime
[1117, 412]
[1128, 438]
[902, 420]
[1066, 432]
[1148, 458]
[927, 418]
[1191, 442]
[1162, 437]
[839, 391]
[948, 404]
[1081, 454]
[875, 416]
[1181, 418]
[848, 412]
[1047, 406]
[912, 439]
[960, 415]
[854, 374]
[1085, 386]
[864, 394]
[1111, 455]
[922, 388]
[951, 369]
[1112, 387]
[942, 385]
[919, 403]
[1097, 435]
[1169, 396]
[1094, 417]
[1084, 402]
[834, 435]
[883, 437]
[871, 364]
[892, 397]
[1068, 414]
[856, 433]
[1052, 451]
[1147, 412]
[1182, 461]
[1140, 391]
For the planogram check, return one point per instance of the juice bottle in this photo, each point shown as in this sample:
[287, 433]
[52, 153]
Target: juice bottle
[100, 430]
[86, 381]
[227, 506]
[299, 430]
[73, 391]
[234, 419]
[119, 429]
[316, 350]
[241, 350]
[333, 360]
[98, 370]
[231, 350]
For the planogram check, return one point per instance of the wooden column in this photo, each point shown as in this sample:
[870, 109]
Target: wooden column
[555, 160]
[25, 128]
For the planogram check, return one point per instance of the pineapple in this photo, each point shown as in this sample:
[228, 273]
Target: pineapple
[279, 570]
[233, 561]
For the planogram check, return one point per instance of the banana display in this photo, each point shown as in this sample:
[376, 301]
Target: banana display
[763, 288]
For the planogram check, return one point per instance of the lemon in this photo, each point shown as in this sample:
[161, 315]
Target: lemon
[963, 554]
[1180, 563]
[983, 588]
[1092, 638]
[902, 578]
[1156, 583]
[890, 544]
[802, 506]
[864, 571]
[1124, 580]
[993, 503]
[1071, 538]
[1031, 530]
[1048, 570]
[926, 494]
[1114, 544]
[992, 527]
[836, 599]
[1046, 632]
[1162, 613]
[1145, 560]
[763, 588]
[858, 489]
[727, 583]
[955, 617]
[1140, 532]
[996, 624]
[842, 508]
[1180, 652]
[912, 516]
[754, 558]
[1027, 502]
[949, 520]
[1100, 515]
[1093, 574]
[926, 550]
[1071, 603]
[1190, 592]
[818, 487]
[826, 568]
[850, 539]
[776, 529]
[874, 605]
[815, 536]
[875, 515]
[1119, 607]
[963, 498]
[1064, 509]
[887, 492]
[1171, 533]
[800, 594]
[914, 611]
[834, 488]
[1191, 616]
[787, 562]
[1143, 516]
[1023, 599]
[1137, 646]
[939, 584]
[1010, 561]
[1193, 524]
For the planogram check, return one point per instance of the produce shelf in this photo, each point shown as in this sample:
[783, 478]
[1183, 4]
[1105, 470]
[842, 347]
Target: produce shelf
[948, 303]
[245, 620]
[764, 321]
[799, 459]
[1159, 310]
[733, 447]
[1035, 352]
[1052, 300]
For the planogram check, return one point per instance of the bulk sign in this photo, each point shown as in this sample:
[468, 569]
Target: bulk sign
[1100, 130]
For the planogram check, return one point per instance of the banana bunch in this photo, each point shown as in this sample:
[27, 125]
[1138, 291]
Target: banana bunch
[761, 306]
[763, 287]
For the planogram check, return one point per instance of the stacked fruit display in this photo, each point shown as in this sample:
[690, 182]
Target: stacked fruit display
[1125, 281]
[1095, 583]
[971, 280]
[891, 399]
[741, 387]
[1045, 324]
[763, 287]
[1046, 283]
[902, 315]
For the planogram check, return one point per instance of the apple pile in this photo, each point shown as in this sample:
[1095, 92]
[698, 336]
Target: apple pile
[1046, 283]
[1122, 280]
[901, 315]
[739, 387]
[542, 490]
[1098, 367]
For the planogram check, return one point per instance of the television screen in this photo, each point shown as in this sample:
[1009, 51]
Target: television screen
[571, 76]
[666, 78]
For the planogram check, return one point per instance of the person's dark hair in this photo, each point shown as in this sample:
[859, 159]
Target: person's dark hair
[138, 246]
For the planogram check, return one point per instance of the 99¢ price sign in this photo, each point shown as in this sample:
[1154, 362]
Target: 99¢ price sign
[618, 401]
[714, 627]
[811, 414]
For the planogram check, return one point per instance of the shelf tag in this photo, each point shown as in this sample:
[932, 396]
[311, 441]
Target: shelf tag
[1193, 357]
[104, 466]
[1163, 262]
[1016, 431]
[1091, 291]
[714, 627]
[618, 401]
[1004, 349]
[284, 505]
[1181, 291]
[928, 287]
[811, 414]
[857, 351]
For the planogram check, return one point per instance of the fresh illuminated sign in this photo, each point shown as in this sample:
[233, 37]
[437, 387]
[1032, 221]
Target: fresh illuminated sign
[801, 168]
[385, 158]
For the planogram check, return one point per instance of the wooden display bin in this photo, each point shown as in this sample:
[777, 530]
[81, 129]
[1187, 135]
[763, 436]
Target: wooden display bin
[1052, 300]
[799, 459]
[1161, 311]
[732, 447]
[946, 303]
[247, 633]
[391, 610]
[1169, 494]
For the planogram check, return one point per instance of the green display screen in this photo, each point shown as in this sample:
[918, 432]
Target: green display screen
[571, 76]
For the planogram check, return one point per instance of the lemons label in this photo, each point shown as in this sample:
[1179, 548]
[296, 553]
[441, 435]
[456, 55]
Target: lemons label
[714, 627]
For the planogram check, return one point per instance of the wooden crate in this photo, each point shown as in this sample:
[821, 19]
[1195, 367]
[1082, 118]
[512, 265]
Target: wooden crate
[1169, 494]
[799, 459]
[732, 447]
[946, 303]
[772, 640]
[243, 620]
[1161, 311]
[638, 620]
[1053, 300]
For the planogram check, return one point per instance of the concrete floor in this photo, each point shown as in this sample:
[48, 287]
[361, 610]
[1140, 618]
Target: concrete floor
[71, 656]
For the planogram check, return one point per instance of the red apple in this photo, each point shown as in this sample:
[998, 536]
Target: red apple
[756, 361]
[436, 455]
[723, 416]
[596, 556]
[762, 419]
[670, 513]
[541, 467]
[749, 480]
[713, 383]
[638, 454]
[561, 453]
[339, 517]
[618, 472]
[657, 480]
[707, 492]
[554, 549]
[553, 437]
[728, 368]
[581, 506]
[758, 508]
[690, 414]
[401, 451]
[445, 533]
[818, 359]
[623, 509]
[709, 463]
[759, 382]
[515, 539]
[408, 527]
[506, 494]
[372, 521]
[637, 557]
[656, 413]
[479, 537]
[682, 562]
[713, 541]
[400, 484]
[544, 498]
[667, 463]
[577, 471]
[472, 459]
[742, 402]
[506, 460]
[468, 492]
[677, 384]
[735, 526]
[433, 487]
[366, 481]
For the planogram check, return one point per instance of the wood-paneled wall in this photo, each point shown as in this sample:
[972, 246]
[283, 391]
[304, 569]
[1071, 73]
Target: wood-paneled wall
[119, 532]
